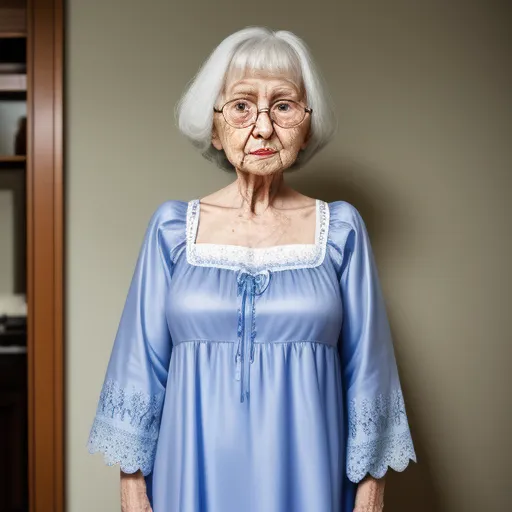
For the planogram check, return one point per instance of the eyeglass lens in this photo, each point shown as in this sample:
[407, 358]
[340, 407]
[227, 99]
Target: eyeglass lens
[285, 113]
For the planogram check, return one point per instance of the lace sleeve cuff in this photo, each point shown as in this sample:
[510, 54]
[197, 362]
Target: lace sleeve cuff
[125, 428]
[379, 437]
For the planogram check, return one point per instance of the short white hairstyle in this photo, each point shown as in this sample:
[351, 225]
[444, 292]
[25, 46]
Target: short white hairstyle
[262, 49]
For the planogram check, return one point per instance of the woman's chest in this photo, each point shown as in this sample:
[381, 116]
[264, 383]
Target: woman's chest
[209, 303]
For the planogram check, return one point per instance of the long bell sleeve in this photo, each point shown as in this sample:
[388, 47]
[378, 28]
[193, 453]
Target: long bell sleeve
[127, 421]
[378, 429]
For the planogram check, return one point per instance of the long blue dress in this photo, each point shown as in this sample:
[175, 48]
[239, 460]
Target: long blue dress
[253, 379]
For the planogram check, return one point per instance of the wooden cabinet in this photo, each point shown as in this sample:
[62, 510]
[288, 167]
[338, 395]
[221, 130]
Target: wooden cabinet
[32, 255]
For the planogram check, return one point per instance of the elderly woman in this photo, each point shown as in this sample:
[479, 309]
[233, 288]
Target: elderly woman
[253, 368]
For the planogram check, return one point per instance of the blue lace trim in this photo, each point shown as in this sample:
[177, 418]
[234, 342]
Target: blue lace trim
[379, 436]
[126, 427]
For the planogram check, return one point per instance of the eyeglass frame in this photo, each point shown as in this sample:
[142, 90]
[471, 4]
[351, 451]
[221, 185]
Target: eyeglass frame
[307, 110]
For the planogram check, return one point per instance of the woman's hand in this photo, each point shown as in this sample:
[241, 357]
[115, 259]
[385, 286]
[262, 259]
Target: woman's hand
[370, 495]
[133, 493]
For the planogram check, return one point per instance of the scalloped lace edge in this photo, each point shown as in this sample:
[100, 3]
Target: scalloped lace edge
[129, 450]
[376, 457]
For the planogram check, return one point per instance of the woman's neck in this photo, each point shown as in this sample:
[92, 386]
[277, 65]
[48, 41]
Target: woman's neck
[256, 193]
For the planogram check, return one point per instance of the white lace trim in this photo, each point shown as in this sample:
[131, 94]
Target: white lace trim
[379, 436]
[255, 259]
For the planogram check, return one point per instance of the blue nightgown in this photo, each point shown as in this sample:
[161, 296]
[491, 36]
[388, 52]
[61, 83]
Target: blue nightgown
[253, 379]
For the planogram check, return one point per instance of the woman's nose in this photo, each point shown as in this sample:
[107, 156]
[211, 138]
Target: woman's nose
[263, 126]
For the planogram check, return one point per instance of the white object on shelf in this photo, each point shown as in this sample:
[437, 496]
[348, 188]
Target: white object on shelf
[13, 67]
[13, 349]
[13, 82]
[13, 305]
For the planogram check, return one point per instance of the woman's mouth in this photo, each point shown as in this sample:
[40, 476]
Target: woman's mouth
[263, 152]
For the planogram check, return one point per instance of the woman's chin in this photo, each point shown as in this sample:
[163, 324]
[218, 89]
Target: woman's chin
[261, 170]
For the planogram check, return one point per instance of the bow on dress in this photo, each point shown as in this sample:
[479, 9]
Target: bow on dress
[249, 285]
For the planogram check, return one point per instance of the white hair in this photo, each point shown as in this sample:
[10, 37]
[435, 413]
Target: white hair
[254, 48]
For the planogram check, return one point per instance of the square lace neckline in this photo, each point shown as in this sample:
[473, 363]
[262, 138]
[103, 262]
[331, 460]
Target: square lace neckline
[256, 259]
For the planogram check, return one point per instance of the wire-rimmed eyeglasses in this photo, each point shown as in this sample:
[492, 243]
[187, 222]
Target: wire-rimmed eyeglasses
[241, 113]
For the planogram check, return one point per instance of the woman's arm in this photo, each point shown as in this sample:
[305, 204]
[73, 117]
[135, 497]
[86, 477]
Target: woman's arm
[370, 495]
[133, 493]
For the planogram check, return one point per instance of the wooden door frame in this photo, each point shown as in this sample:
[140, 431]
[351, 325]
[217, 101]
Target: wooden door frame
[45, 254]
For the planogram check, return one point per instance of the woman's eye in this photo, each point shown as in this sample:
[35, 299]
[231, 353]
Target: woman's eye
[283, 107]
[241, 104]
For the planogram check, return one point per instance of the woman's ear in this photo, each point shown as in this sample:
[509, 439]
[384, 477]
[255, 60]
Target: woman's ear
[306, 139]
[217, 144]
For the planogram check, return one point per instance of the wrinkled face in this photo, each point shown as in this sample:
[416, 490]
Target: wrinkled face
[240, 143]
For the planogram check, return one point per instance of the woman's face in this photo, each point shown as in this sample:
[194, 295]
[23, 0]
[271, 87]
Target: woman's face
[239, 143]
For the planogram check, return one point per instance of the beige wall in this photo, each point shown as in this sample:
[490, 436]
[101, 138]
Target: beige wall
[422, 151]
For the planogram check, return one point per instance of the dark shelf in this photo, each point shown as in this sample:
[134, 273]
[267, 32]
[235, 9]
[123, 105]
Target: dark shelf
[13, 35]
[12, 161]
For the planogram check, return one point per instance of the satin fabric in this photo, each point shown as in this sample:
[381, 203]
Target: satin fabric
[258, 390]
